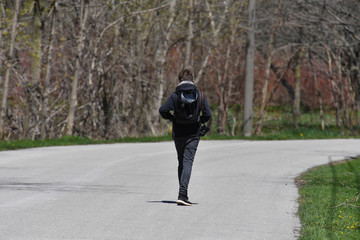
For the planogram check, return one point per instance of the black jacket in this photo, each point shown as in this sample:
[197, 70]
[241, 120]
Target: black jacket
[169, 108]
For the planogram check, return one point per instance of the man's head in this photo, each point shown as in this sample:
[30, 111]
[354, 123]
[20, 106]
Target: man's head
[185, 75]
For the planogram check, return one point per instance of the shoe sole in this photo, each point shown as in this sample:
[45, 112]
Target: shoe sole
[183, 203]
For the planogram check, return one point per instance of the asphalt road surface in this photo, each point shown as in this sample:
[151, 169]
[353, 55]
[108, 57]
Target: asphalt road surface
[242, 190]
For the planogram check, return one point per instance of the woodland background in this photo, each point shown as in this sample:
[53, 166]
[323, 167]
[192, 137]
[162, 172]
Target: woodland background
[101, 69]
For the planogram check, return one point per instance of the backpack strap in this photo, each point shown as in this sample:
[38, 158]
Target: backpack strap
[201, 98]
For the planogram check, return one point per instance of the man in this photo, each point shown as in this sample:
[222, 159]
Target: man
[186, 132]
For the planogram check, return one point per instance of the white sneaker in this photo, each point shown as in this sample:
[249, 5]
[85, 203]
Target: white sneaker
[183, 202]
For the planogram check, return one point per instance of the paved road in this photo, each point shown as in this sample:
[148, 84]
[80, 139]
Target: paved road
[243, 190]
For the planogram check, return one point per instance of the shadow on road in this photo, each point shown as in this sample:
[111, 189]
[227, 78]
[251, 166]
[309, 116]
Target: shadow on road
[163, 201]
[337, 185]
[17, 185]
[167, 202]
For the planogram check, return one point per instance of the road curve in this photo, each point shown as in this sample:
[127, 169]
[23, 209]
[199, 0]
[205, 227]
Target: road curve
[242, 190]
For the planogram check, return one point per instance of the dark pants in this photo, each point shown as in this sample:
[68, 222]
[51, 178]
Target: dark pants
[186, 148]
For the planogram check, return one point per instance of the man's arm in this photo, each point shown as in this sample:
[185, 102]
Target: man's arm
[167, 109]
[206, 112]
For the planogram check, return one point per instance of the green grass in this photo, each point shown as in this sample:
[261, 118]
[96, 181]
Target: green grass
[330, 201]
[277, 125]
[277, 133]
[67, 140]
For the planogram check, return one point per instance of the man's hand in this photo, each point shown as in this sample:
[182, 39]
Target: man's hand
[203, 130]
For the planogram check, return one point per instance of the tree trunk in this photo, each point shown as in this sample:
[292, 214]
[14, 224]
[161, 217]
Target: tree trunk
[318, 91]
[334, 88]
[33, 88]
[265, 88]
[225, 82]
[1, 43]
[9, 63]
[48, 72]
[190, 34]
[215, 30]
[222, 111]
[357, 92]
[160, 58]
[74, 85]
[249, 71]
[297, 94]
[342, 103]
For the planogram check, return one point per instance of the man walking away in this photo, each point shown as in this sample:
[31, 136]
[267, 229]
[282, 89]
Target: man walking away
[187, 108]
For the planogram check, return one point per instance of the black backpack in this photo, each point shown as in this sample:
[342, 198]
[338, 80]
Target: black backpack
[189, 106]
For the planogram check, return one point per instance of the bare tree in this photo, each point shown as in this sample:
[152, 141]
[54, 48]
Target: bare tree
[49, 62]
[2, 10]
[33, 87]
[160, 59]
[249, 74]
[9, 65]
[80, 44]
[265, 89]
[114, 61]
[297, 93]
[318, 91]
[190, 34]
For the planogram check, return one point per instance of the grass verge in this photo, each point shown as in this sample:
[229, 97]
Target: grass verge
[67, 140]
[281, 134]
[277, 125]
[330, 201]
[301, 133]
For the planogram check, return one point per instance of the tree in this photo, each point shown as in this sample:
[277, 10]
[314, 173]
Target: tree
[9, 65]
[84, 11]
[49, 62]
[190, 34]
[160, 60]
[115, 64]
[265, 89]
[33, 86]
[297, 93]
[249, 73]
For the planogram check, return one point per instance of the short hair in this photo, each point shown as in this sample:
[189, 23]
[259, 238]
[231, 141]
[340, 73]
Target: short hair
[185, 75]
